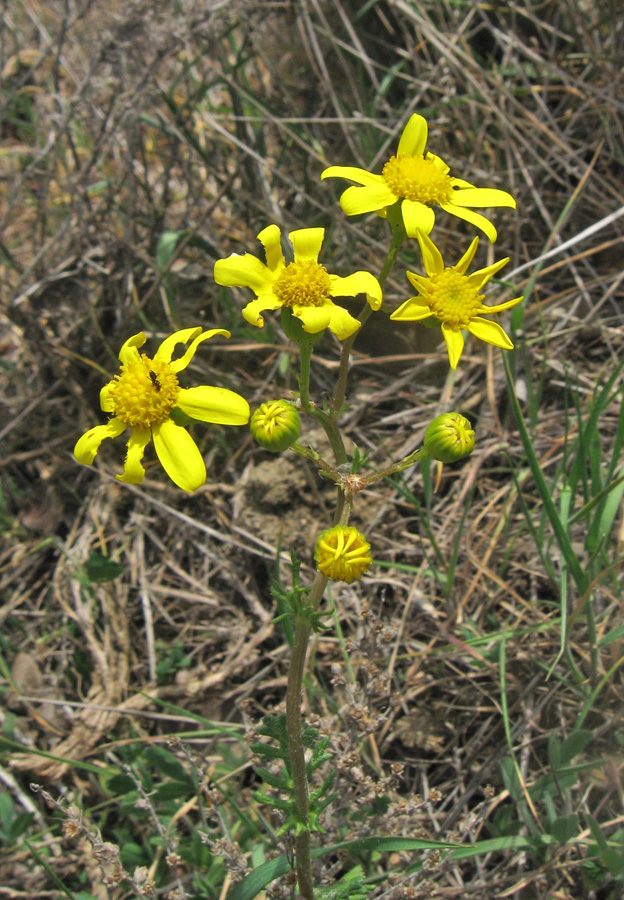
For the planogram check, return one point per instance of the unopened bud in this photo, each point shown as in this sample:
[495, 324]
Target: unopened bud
[449, 438]
[342, 553]
[275, 425]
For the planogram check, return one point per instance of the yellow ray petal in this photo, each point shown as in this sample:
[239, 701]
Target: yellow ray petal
[88, 445]
[474, 218]
[417, 217]
[270, 238]
[482, 276]
[454, 344]
[243, 271]
[253, 310]
[307, 243]
[133, 472]
[422, 284]
[165, 351]
[413, 310]
[129, 353]
[357, 200]
[432, 258]
[341, 323]
[314, 318]
[467, 258]
[490, 332]
[503, 306]
[360, 176]
[214, 404]
[358, 283]
[414, 137]
[179, 455]
[182, 362]
[483, 197]
[106, 402]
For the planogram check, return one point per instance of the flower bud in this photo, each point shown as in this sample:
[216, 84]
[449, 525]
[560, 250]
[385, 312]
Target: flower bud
[342, 553]
[449, 438]
[275, 425]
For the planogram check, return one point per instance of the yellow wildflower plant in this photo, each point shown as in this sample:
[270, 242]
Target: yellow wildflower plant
[304, 285]
[454, 298]
[418, 182]
[342, 553]
[145, 397]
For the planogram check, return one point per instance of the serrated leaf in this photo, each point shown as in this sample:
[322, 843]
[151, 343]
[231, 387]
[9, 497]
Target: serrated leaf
[275, 781]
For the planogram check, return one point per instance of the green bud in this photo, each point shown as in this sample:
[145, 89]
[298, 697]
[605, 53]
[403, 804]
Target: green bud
[449, 438]
[275, 425]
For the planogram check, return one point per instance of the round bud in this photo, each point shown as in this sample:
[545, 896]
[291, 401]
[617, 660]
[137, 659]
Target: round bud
[275, 425]
[449, 438]
[342, 553]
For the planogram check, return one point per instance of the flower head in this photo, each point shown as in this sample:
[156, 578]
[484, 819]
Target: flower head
[454, 299]
[304, 286]
[418, 182]
[146, 397]
[342, 553]
[275, 425]
[449, 438]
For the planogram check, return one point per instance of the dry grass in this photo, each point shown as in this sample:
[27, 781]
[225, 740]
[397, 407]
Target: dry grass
[126, 122]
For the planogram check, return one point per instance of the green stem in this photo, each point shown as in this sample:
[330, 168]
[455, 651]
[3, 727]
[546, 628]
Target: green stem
[305, 355]
[397, 467]
[295, 740]
[398, 236]
[329, 425]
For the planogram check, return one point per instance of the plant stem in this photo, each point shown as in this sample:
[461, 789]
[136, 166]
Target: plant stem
[295, 740]
[329, 425]
[398, 236]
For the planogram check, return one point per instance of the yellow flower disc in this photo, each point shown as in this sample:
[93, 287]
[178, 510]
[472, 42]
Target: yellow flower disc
[416, 178]
[453, 299]
[145, 392]
[342, 553]
[304, 283]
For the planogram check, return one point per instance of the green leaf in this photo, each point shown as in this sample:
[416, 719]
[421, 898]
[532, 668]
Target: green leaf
[120, 784]
[596, 832]
[257, 880]
[100, 568]
[564, 828]
[19, 825]
[173, 790]
[166, 763]
[574, 745]
[613, 860]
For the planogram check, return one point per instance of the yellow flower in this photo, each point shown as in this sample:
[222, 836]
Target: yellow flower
[342, 553]
[145, 397]
[418, 182]
[303, 286]
[453, 297]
